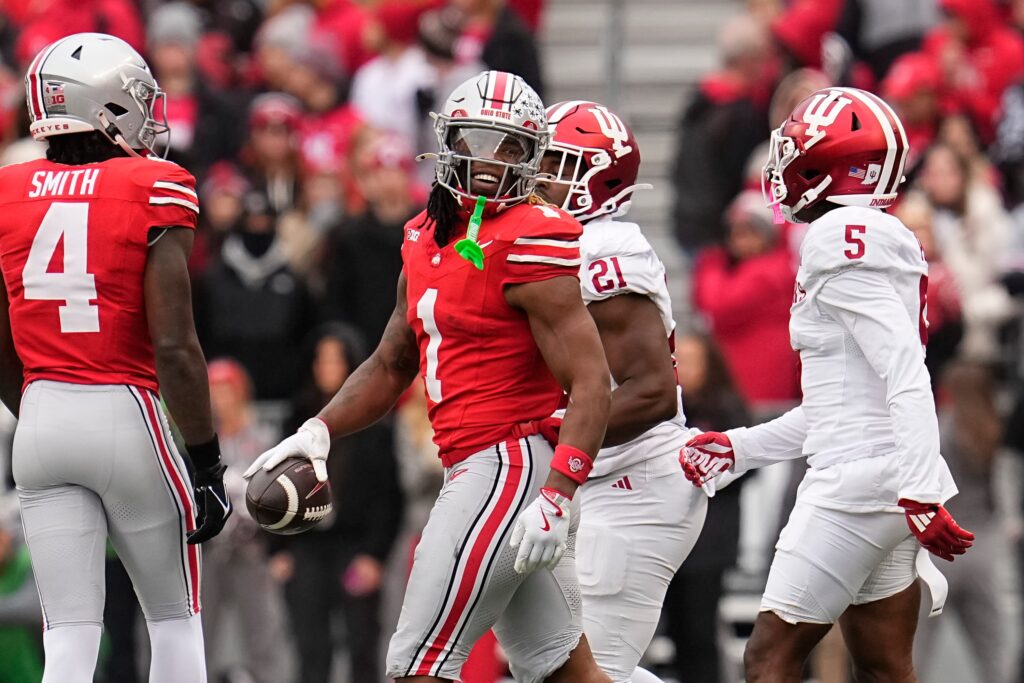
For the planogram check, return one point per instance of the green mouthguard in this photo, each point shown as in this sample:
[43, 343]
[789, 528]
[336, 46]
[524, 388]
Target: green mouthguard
[468, 248]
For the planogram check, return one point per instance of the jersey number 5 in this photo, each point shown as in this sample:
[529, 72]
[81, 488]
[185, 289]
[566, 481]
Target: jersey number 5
[853, 233]
[75, 286]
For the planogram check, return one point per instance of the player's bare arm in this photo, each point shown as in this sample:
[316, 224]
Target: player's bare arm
[375, 386]
[180, 365]
[633, 337]
[568, 339]
[11, 370]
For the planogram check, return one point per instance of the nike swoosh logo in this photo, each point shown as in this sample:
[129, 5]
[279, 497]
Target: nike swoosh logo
[547, 525]
[319, 485]
[457, 473]
[484, 245]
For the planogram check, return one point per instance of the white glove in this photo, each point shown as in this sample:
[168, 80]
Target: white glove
[312, 441]
[541, 532]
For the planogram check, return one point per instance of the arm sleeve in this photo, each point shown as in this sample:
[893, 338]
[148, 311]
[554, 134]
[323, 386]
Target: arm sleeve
[867, 305]
[548, 248]
[171, 197]
[779, 440]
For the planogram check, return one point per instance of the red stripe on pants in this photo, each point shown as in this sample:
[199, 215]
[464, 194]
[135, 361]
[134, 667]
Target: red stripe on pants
[477, 556]
[180, 487]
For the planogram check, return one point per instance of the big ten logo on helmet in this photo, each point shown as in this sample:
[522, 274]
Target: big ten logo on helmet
[53, 98]
[613, 128]
[823, 110]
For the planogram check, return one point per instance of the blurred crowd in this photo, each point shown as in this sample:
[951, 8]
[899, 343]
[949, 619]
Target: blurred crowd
[301, 121]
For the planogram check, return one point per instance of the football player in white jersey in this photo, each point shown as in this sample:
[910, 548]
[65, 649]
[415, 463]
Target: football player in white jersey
[874, 491]
[640, 518]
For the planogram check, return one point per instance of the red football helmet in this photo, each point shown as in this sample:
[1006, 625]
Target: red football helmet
[600, 151]
[840, 145]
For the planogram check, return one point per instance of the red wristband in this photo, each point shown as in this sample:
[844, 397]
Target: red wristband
[572, 462]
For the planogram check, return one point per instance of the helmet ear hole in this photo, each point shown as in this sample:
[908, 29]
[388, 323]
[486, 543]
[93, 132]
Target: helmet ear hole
[855, 124]
[810, 174]
[115, 109]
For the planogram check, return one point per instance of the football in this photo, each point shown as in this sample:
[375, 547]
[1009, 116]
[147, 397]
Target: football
[288, 499]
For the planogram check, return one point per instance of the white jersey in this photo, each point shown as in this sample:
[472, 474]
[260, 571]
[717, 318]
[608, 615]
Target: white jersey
[867, 422]
[618, 259]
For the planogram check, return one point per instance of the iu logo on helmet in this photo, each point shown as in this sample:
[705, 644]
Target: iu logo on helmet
[823, 111]
[613, 128]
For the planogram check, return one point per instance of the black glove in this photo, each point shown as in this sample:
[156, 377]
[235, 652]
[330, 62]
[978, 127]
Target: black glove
[213, 507]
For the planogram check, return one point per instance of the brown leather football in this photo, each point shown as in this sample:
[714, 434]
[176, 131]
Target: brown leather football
[288, 499]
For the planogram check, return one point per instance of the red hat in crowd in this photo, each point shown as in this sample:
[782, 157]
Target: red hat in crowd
[274, 108]
[229, 371]
[390, 150]
[910, 74]
[224, 178]
[400, 18]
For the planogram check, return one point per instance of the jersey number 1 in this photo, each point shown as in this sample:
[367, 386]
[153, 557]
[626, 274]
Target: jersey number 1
[74, 286]
[425, 312]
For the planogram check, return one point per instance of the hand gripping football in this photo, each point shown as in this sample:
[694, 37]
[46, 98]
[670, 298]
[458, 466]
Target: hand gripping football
[288, 499]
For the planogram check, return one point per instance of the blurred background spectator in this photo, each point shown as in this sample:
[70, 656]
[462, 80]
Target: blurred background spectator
[744, 289]
[236, 577]
[338, 567]
[719, 129]
[712, 402]
[981, 589]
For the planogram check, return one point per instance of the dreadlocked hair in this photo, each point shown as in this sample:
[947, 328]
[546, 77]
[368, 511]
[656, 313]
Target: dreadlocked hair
[443, 210]
[76, 149]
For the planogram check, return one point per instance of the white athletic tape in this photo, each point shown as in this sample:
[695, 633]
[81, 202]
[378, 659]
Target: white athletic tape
[933, 578]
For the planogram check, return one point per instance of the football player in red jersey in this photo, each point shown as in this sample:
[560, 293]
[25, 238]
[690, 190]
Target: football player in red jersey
[98, 318]
[491, 314]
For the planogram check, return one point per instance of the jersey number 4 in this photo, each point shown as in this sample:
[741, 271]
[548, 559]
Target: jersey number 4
[75, 286]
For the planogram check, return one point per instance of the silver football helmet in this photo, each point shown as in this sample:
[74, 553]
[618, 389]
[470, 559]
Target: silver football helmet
[492, 134]
[92, 81]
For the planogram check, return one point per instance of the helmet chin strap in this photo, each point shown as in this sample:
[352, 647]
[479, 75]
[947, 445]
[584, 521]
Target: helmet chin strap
[112, 132]
[812, 194]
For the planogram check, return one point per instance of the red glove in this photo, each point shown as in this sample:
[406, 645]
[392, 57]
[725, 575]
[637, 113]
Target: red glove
[936, 530]
[706, 456]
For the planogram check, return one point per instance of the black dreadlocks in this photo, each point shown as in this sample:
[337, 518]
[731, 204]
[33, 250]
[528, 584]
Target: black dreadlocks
[443, 210]
[76, 149]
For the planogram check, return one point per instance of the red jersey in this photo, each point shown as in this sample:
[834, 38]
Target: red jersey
[73, 244]
[483, 371]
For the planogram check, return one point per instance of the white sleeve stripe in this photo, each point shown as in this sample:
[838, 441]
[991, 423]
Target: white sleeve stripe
[539, 242]
[174, 200]
[165, 185]
[550, 260]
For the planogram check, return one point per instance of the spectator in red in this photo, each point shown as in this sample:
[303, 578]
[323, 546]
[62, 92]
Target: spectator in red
[344, 21]
[745, 290]
[384, 89]
[204, 121]
[44, 21]
[496, 35]
[912, 88]
[980, 56]
[364, 251]
[723, 123]
[317, 80]
[802, 27]
[530, 11]
[270, 158]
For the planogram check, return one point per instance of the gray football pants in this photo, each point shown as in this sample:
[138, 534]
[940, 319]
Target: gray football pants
[97, 461]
